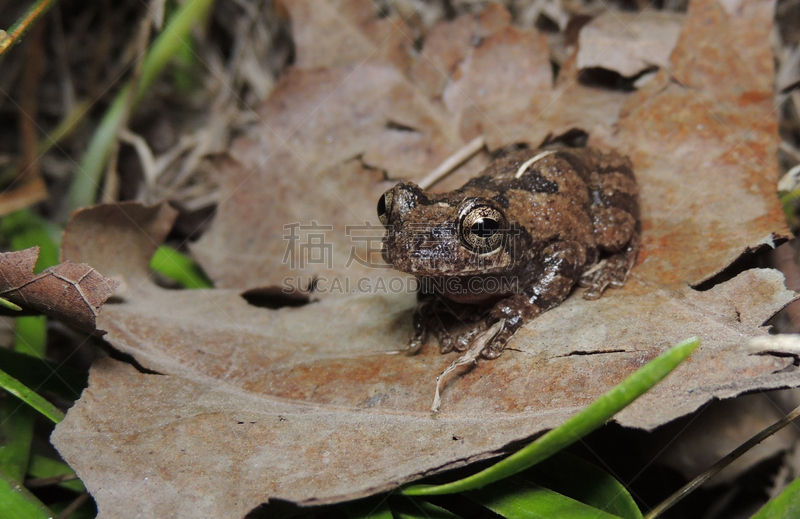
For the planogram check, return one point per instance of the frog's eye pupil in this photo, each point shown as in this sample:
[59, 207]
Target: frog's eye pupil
[384, 206]
[481, 226]
[484, 227]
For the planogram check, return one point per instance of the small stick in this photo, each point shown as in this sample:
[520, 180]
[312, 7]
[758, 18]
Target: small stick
[74, 505]
[452, 162]
[470, 357]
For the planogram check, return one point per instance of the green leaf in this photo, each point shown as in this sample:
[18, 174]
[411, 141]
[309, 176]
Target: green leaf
[786, 504]
[30, 333]
[21, 391]
[26, 229]
[585, 482]
[179, 267]
[16, 502]
[518, 499]
[593, 416]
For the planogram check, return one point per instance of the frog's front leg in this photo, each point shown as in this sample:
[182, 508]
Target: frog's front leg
[562, 266]
[422, 328]
[434, 315]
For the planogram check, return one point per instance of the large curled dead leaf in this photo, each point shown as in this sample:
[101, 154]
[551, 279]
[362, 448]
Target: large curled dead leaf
[312, 404]
[70, 292]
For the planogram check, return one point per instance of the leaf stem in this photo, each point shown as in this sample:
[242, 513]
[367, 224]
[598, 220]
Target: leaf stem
[25, 22]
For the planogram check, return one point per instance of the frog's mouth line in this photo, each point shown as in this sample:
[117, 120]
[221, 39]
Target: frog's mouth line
[444, 265]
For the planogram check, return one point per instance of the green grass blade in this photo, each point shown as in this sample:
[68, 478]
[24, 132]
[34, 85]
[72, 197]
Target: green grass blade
[83, 190]
[585, 482]
[593, 416]
[179, 267]
[516, 499]
[785, 504]
[25, 22]
[16, 435]
[17, 420]
[5, 303]
[64, 129]
[44, 375]
[21, 391]
[418, 509]
[16, 502]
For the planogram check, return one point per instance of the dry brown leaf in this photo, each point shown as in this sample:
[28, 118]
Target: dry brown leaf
[507, 73]
[698, 129]
[86, 238]
[312, 404]
[72, 293]
[449, 43]
[303, 166]
[629, 43]
[330, 33]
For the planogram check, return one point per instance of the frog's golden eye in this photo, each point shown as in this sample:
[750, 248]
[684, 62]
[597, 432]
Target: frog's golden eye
[385, 206]
[481, 227]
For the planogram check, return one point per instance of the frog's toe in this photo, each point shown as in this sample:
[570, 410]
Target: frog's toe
[493, 350]
[465, 340]
[414, 345]
[501, 335]
[447, 343]
[609, 272]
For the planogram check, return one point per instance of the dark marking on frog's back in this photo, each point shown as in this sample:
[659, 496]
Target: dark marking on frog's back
[501, 199]
[531, 181]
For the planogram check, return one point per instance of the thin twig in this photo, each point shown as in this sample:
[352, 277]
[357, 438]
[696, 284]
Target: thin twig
[53, 480]
[721, 464]
[74, 505]
[453, 161]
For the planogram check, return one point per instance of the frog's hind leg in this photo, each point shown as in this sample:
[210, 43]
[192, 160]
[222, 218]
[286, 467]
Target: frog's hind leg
[612, 271]
[617, 227]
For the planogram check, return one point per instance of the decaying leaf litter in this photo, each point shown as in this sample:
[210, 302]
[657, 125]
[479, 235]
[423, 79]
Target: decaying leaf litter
[295, 397]
[306, 394]
[70, 292]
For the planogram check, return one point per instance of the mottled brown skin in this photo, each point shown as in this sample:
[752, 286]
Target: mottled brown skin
[511, 246]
